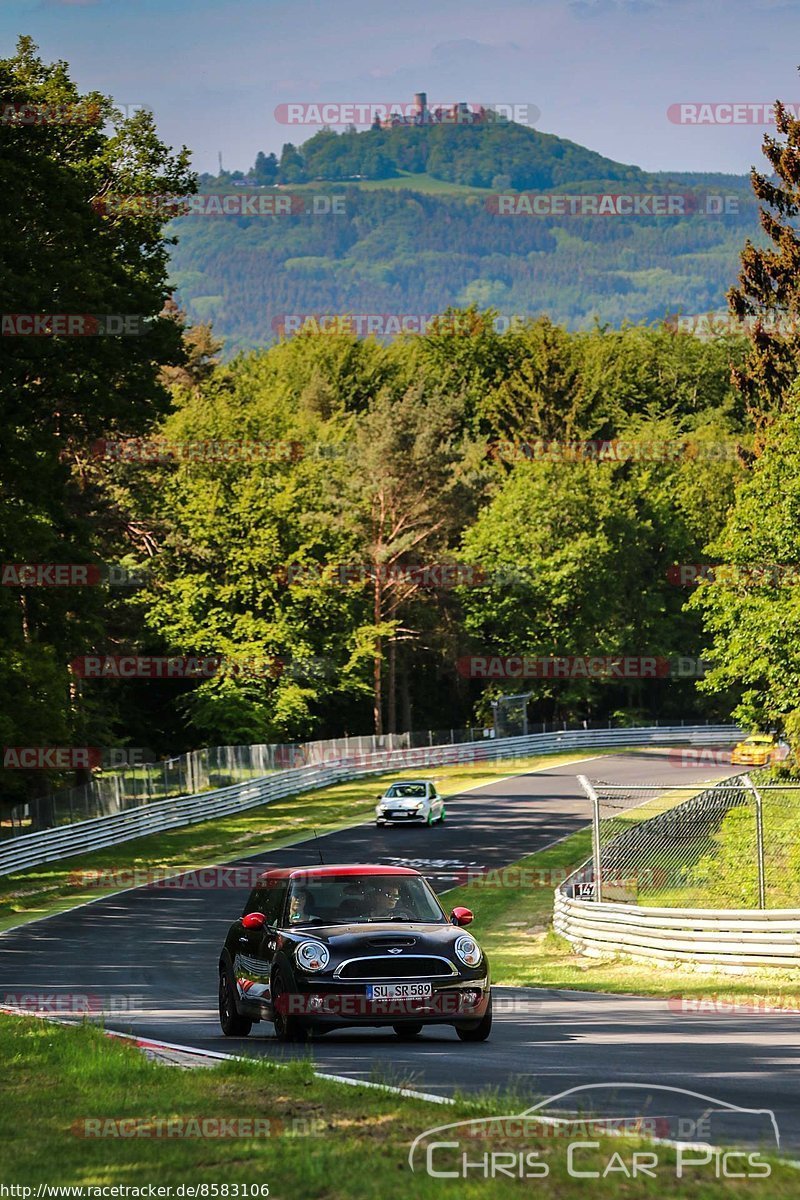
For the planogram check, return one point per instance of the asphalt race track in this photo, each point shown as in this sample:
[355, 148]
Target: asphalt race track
[150, 955]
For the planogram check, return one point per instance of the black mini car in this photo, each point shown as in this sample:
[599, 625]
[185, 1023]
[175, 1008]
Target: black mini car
[318, 948]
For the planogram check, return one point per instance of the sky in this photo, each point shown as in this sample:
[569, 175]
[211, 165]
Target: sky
[603, 73]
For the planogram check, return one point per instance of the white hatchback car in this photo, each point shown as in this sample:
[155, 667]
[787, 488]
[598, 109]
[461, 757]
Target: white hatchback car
[412, 802]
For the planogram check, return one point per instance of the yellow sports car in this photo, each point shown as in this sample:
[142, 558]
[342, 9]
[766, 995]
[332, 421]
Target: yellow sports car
[755, 751]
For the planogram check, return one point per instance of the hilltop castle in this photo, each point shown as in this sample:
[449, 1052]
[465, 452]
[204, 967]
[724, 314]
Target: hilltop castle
[420, 114]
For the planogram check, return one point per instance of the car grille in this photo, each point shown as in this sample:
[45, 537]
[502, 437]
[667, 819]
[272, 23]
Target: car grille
[411, 966]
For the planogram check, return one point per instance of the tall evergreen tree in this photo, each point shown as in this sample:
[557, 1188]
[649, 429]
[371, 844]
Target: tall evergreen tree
[769, 280]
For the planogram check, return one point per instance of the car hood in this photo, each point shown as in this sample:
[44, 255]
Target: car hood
[380, 937]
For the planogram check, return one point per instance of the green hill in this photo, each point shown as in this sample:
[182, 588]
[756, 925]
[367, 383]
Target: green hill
[418, 230]
[474, 155]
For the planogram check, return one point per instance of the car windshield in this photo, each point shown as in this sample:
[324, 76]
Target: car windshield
[352, 899]
[406, 790]
[758, 741]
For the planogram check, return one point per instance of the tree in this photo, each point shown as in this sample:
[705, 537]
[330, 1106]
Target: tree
[752, 613]
[292, 166]
[542, 395]
[265, 170]
[576, 559]
[410, 494]
[769, 280]
[201, 349]
[73, 245]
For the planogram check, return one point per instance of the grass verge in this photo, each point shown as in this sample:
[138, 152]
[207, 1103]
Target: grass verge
[316, 1138]
[55, 887]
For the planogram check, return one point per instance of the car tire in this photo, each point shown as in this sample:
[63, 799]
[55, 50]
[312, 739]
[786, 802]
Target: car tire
[406, 1032]
[429, 820]
[441, 816]
[477, 1032]
[287, 1028]
[232, 1023]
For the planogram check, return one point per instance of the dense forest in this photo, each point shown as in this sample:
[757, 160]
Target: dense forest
[407, 221]
[349, 529]
[404, 252]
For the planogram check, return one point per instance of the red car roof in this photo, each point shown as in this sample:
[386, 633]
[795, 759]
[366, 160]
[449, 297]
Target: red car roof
[348, 869]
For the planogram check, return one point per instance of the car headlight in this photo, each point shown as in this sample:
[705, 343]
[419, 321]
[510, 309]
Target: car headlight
[468, 950]
[312, 956]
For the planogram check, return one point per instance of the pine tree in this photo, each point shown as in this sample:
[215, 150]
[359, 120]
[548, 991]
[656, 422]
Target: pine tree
[769, 280]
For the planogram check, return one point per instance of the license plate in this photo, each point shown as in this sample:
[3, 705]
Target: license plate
[398, 991]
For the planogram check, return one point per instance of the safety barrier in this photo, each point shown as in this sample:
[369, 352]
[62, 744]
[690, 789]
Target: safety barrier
[710, 937]
[50, 845]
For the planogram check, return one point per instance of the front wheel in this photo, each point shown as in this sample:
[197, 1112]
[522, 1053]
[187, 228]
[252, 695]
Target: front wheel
[287, 1028]
[479, 1032]
[231, 1022]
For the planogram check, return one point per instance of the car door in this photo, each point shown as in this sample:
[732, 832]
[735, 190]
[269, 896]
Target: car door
[255, 947]
[436, 802]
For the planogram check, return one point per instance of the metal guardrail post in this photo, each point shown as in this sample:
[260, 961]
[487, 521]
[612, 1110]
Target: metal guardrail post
[596, 858]
[762, 892]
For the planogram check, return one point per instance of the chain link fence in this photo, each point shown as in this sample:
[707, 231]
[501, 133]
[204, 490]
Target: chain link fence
[732, 845]
[198, 771]
[117, 791]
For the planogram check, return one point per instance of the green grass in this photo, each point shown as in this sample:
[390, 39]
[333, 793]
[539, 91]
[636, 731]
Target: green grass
[54, 887]
[324, 1140]
[514, 924]
[726, 875]
[415, 182]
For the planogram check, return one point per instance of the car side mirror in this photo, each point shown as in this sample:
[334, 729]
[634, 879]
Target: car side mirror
[460, 916]
[254, 920]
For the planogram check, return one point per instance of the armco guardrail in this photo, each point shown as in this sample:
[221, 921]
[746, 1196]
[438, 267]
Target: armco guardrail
[65, 841]
[711, 937]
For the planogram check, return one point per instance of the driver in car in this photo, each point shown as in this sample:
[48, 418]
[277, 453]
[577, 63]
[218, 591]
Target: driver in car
[301, 907]
[384, 903]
